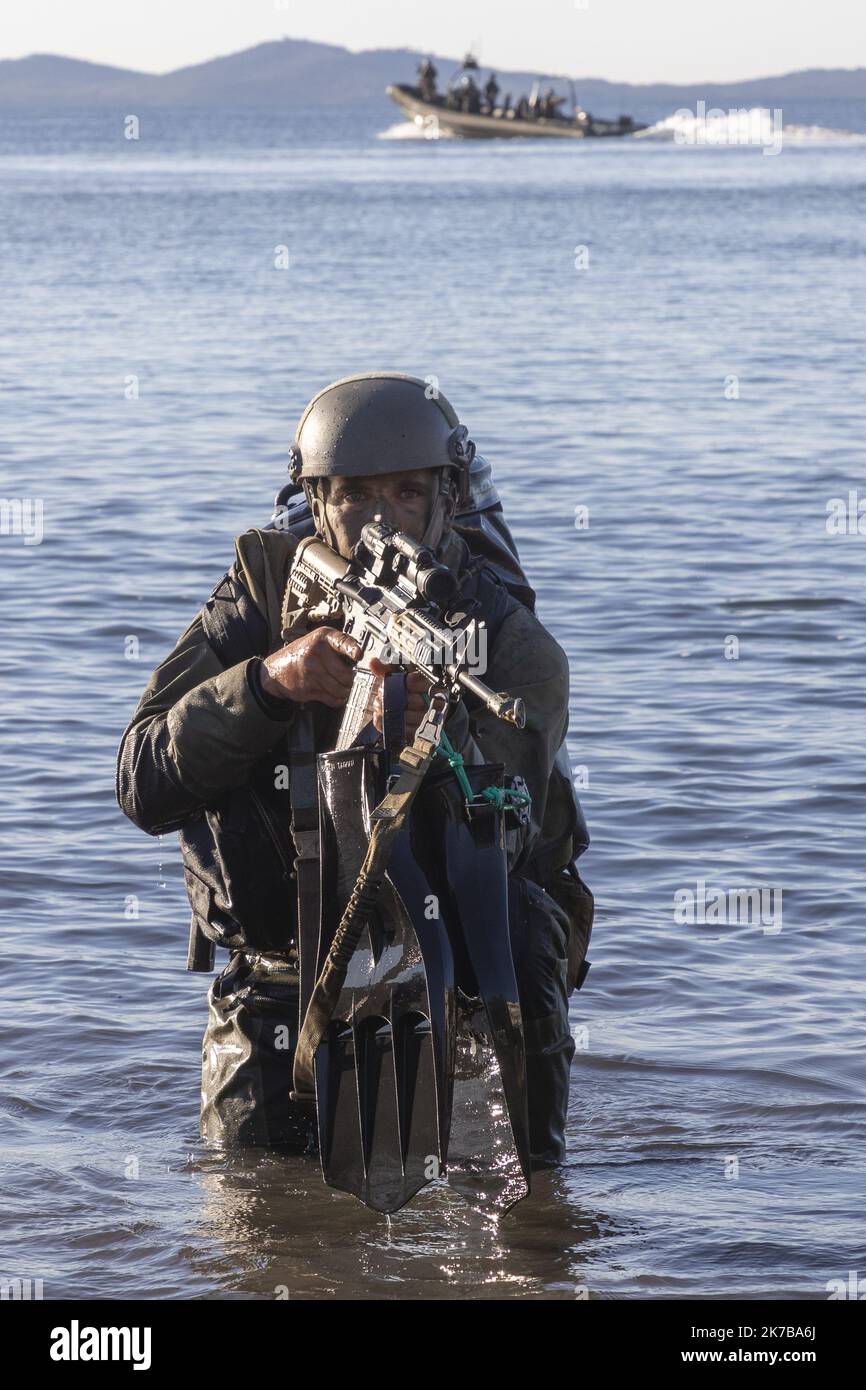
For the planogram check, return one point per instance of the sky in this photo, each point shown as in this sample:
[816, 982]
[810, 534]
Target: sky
[622, 40]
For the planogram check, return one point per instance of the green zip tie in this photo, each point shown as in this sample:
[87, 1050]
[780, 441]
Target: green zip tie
[506, 796]
[500, 796]
[458, 767]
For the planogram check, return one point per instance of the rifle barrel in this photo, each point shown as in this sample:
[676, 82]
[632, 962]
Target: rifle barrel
[504, 706]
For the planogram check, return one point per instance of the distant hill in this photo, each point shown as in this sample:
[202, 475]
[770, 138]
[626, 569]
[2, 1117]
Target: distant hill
[295, 72]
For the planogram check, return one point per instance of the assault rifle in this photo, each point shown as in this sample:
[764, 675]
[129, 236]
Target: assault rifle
[402, 606]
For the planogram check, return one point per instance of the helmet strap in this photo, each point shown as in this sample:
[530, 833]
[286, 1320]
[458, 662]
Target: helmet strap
[313, 488]
[438, 507]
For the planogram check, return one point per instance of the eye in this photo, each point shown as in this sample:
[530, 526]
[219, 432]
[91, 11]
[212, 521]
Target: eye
[355, 494]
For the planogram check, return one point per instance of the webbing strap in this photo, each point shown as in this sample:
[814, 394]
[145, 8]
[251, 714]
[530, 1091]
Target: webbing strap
[305, 833]
[394, 697]
[386, 821]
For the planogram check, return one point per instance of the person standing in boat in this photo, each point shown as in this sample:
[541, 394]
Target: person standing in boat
[491, 92]
[552, 104]
[427, 75]
[470, 95]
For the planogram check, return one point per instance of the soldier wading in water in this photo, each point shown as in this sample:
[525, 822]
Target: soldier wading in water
[252, 689]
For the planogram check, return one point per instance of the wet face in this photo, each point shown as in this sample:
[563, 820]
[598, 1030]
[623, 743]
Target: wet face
[403, 500]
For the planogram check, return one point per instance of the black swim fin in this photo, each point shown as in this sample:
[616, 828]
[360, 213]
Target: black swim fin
[421, 1073]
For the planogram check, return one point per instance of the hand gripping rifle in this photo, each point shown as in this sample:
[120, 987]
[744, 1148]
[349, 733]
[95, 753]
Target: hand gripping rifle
[396, 598]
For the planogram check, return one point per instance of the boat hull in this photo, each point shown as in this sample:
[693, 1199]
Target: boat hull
[436, 119]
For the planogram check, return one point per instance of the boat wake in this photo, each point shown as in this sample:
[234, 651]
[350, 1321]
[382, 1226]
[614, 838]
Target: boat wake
[757, 126]
[408, 130]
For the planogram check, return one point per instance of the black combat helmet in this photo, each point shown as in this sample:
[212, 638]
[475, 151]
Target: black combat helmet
[380, 422]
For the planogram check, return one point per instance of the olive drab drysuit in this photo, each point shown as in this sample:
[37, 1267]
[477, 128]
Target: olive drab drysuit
[212, 755]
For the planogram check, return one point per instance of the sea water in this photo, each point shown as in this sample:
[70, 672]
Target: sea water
[659, 345]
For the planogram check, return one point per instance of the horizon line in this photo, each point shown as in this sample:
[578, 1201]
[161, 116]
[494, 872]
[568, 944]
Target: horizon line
[343, 48]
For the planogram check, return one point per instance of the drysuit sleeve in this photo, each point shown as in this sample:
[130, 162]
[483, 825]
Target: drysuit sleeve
[526, 661]
[204, 720]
